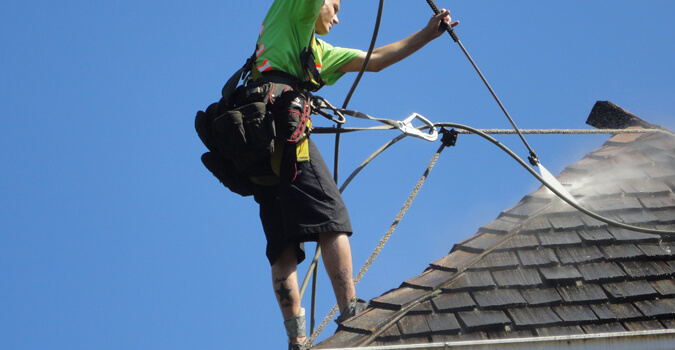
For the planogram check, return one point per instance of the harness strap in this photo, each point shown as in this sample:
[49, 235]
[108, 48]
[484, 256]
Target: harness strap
[280, 77]
[313, 81]
[228, 89]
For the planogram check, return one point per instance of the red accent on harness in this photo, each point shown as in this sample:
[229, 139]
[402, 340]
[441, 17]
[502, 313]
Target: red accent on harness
[303, 123]
[271, 96]
[296, 172]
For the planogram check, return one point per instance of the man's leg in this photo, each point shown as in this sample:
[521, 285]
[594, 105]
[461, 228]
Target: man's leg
[337, 257]
[285, 280]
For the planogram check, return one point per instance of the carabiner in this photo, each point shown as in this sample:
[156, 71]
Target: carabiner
[407, 128]
[319, 103]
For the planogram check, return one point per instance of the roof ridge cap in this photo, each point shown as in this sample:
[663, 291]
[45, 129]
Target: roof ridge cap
[607, 115]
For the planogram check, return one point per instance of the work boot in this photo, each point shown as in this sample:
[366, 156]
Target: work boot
[355, 307]
[298, 346]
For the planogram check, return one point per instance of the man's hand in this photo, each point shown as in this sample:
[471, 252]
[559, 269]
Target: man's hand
[387, 55]
[438, 23]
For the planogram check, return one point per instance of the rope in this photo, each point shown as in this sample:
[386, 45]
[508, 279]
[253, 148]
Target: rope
[569, 131]
[336, 164]
[552, 188]
[533, 161]
[384, 239]
[317, 253]
[332, 130]
[483, 133]
[399, 217]
[469, 130]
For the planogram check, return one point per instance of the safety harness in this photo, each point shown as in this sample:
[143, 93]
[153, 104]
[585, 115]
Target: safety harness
[257, 115]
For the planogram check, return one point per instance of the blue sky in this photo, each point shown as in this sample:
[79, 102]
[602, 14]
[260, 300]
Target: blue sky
[114, 236]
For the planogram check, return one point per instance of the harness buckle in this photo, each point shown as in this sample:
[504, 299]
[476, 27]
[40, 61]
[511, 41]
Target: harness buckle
[318, 105]
[407, 128]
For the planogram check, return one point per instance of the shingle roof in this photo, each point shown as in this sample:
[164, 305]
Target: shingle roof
[542, 268]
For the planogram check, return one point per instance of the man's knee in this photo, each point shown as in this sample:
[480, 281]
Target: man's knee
[328, 237]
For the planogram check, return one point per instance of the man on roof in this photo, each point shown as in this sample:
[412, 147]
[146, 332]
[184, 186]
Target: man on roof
[306, 205]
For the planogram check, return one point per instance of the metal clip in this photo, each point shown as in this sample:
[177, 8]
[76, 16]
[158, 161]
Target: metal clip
[319, 103]
[407, 128]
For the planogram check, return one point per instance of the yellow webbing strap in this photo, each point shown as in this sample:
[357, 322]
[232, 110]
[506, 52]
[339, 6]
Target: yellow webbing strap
[301, 153]
[275, 161]
[267, 180]
[302, 148]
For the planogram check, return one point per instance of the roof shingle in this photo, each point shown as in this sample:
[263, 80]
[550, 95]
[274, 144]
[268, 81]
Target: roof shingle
[544, 269]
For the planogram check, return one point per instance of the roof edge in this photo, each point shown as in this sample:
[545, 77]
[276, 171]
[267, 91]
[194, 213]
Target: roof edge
[657, 339]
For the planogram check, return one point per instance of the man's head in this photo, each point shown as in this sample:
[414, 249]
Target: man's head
[327, 17]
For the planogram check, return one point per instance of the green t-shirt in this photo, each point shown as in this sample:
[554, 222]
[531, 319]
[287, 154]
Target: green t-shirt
[287, 30]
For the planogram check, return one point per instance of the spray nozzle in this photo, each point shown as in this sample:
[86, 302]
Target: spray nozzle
[533, 159]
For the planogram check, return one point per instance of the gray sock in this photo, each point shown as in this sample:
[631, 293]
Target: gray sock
[295, 326]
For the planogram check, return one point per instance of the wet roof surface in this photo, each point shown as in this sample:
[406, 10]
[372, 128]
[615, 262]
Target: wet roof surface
[543, 268]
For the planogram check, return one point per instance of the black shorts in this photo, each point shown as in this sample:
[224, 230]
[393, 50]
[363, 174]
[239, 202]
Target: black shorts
[305, 204]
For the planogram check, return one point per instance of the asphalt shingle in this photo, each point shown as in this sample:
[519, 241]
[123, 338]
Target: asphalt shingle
[625, 235]
[397, 298]
[615, 312]
[539, 257]
[414, 325]
[443, 323]
[581, 294]
[657, 307]
[574, 255]
[544, 269]
[559, 331]
[646, 269]
[629, 290]
[576, 314]
[559, 239]
[481, 320]
[648, 325]
[560, 274]
[470, 281]
[499, 299]
[539, 297]
[453, 261]
[453, 302]
[595, 235]
[481, 242]
[534, 316]
[518, 278]
[622, 252]
[664, 287]
[430, 278]
[601, 272]
[613, 327]
[497, 260]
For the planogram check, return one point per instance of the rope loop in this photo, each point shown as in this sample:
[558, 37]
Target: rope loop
[384, 239]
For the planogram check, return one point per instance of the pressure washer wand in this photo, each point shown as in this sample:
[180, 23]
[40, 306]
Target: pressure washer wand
[533, 156]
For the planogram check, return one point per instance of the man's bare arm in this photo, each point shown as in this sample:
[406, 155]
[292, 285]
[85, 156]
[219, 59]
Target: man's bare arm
[387, 55]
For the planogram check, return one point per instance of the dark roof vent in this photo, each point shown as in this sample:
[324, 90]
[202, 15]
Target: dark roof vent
[607, 115]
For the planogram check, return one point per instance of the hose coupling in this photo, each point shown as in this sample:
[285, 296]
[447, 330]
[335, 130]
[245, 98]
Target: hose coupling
[449, 138]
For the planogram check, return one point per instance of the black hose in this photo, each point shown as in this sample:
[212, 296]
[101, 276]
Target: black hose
[520, 161]
[336, 159]
[533, 156]
[552, 188]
